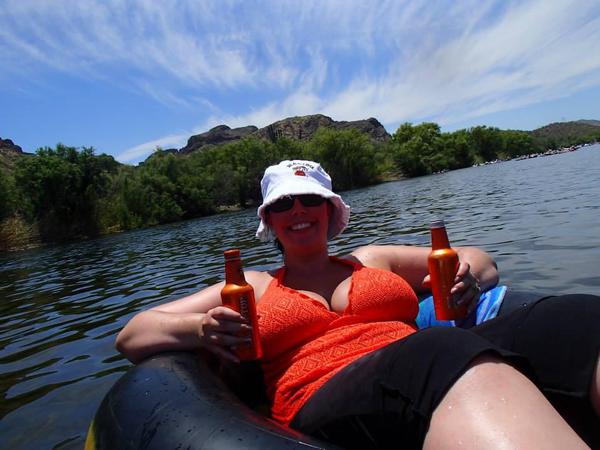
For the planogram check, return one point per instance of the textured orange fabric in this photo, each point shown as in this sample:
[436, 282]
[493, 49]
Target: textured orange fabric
[305, 344]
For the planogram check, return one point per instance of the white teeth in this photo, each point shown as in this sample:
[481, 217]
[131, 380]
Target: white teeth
[300, 226]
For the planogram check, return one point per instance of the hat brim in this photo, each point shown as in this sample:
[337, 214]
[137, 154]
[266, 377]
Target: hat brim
[337, 222]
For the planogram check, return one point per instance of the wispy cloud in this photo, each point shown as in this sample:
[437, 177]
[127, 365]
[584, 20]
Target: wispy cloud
[257, 62]
[530, 53]
[164, 96]
[138, 152]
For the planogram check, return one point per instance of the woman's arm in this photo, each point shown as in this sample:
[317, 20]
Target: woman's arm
[482, 266]
[172, 326]
[410, 262]
[477, 270]
[196, 321]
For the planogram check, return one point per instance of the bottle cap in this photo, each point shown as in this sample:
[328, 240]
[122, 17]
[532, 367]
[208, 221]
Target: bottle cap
[437, 223]
[232, 254]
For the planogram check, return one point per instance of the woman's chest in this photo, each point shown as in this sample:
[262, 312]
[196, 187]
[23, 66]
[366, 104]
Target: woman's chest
[365, 290]
[290, 317]
[334, 296]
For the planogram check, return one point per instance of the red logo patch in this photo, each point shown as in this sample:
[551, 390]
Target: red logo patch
[299, 173]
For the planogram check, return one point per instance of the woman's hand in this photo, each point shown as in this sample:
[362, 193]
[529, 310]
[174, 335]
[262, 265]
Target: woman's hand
[466, 289]
[221, 330]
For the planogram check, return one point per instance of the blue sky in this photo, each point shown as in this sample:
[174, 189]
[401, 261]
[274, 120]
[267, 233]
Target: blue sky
[127, 76]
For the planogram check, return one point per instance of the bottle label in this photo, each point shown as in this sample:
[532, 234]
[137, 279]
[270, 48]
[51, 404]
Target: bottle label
[244, 311]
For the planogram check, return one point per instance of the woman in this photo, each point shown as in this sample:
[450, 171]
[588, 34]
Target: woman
[342, 357]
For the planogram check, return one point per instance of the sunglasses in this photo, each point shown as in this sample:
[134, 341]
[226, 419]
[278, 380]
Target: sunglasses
[286, 203]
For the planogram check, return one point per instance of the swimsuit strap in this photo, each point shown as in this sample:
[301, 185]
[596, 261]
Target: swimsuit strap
[354, 264]
[280, 274]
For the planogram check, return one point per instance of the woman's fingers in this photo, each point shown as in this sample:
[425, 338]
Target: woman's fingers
[463, 271]
[466, 289]
[226, 340]
[221, 330]
[226, 326]
[225, 320]
[223, 312]
[222, 352]
[470, 292]
[426, 283]
[466, 293]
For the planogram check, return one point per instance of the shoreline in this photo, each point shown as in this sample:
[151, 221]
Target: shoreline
[552, 152]
[18, 238]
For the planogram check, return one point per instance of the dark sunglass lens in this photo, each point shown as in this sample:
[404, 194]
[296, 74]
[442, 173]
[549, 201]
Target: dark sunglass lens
[281, 205]
[286, 203]
[311, 199]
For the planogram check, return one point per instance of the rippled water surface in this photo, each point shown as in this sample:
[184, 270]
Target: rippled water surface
[61, 307]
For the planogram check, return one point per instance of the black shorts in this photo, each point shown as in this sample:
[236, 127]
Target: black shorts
[386, 398]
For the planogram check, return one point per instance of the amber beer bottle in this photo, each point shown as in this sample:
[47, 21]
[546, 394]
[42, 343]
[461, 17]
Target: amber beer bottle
[238, 295]
[443, 265]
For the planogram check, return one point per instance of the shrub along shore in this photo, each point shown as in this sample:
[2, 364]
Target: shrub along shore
[62, 194]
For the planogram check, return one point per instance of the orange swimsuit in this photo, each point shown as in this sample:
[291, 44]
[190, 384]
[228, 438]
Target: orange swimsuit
[305, 343]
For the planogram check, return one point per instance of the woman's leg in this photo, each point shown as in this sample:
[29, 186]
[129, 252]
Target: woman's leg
[385, 400]
[560, 336]
[492, 405]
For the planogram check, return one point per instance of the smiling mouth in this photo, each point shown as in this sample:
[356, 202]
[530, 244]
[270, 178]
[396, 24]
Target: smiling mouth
[300, 226]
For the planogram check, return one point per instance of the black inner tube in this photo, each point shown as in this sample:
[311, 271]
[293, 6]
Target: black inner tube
[175, 401]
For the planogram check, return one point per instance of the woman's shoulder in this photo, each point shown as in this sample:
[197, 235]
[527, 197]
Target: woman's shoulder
[259, 276]
[385, 255]
[259, 280]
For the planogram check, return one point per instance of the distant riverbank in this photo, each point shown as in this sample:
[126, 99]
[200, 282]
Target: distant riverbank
[550, 152]
[65, 194]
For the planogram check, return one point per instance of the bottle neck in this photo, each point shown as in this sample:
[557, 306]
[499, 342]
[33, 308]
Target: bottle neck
[234, 273]
[439, 238]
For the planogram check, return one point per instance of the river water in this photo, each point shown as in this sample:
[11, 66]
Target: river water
[61, 307]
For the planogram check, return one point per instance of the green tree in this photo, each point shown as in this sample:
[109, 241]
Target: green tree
[486, 142]
[286, 148]
[60, 188]
[249, 158]
[348, 156]
[418, 149]
[517, 143]
[7, 195]
[159, 179]
[458, 144]
[408, 158]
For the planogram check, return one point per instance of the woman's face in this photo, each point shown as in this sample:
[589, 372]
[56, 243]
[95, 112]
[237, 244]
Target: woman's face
[302, 226]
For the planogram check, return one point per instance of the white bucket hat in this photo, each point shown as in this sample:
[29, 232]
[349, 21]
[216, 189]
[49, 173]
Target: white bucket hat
[295, 178]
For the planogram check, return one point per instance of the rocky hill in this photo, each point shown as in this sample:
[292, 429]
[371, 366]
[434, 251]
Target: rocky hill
[8, 147]
[565, 134]
[304, 127]
[595, 123]
[297, 128]
[220, 134]
[567, 130]
[9, 152]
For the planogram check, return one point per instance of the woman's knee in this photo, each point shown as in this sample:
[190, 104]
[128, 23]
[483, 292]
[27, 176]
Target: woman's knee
[486, 372]
[491, 404]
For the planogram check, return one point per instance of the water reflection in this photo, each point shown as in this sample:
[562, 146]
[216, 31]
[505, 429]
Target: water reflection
[62, 307]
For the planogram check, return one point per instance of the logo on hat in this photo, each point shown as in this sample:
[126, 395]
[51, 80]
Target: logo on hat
[300, 169]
